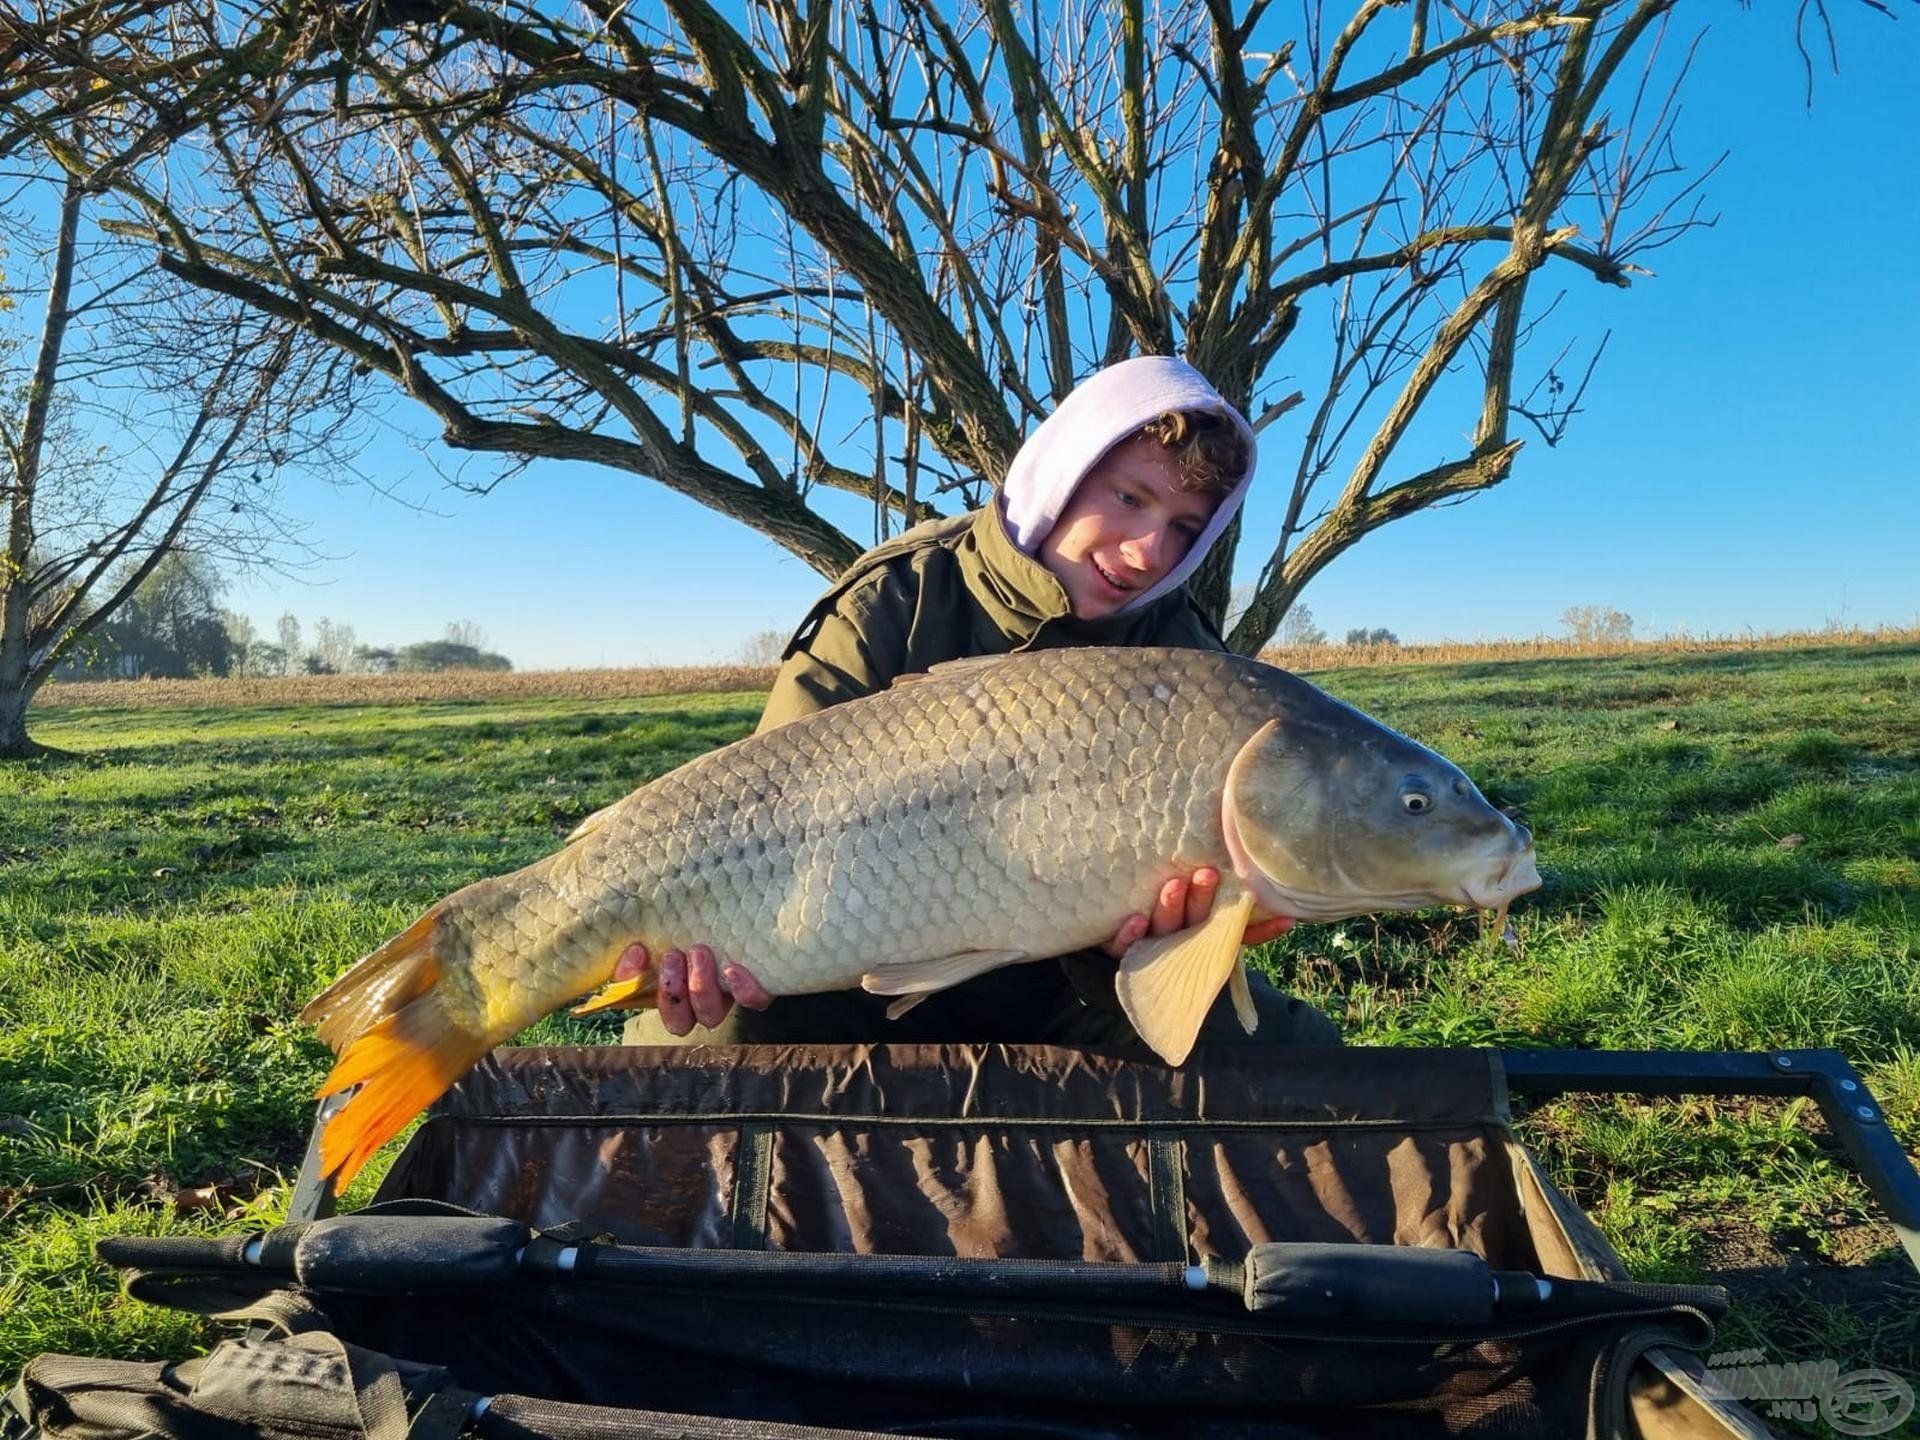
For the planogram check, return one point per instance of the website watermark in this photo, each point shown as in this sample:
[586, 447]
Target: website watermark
[1866, 1401]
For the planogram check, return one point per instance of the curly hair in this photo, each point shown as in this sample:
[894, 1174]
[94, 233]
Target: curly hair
[1207, 447]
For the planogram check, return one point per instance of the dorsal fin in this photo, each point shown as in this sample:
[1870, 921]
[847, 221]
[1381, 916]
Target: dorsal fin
[594, 821]
[953, 668]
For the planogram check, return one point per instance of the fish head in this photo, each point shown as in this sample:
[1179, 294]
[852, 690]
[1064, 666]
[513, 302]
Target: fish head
[1329, 813]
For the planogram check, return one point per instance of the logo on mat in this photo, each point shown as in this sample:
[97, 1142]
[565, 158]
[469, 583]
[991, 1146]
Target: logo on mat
[1868, 1401]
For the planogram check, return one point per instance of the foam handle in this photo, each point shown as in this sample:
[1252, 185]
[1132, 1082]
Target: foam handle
[400, 1254]
[1383, 1284]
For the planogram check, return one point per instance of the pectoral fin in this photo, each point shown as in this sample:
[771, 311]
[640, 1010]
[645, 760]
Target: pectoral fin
[906, 1003]
[920, 978]
[1167, 984]
[1242, 995]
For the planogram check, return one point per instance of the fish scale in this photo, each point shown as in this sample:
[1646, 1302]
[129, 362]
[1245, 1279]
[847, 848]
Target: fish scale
[998, 809]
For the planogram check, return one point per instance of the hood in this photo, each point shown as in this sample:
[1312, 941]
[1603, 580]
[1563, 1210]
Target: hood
[1103, 410]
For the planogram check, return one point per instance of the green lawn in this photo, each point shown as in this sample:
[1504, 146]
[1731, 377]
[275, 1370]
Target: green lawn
[1731, 844]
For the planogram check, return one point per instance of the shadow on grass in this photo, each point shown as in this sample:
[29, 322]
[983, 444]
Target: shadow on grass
[36, 754]
[330, 740]
[1801, 1305]
[1840, 660]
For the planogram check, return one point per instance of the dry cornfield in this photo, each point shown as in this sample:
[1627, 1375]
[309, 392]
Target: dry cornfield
[440, 687]
[454, 686]
[1547, 647]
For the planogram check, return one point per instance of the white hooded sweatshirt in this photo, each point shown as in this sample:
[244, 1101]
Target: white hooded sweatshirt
[1104, 409]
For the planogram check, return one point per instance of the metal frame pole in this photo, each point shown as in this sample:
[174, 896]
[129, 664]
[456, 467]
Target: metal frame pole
[313, 1197]
[1854, 1116]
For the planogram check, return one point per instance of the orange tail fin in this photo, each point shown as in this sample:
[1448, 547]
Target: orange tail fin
[399, 972]
[395, 1040]
[402, 1065]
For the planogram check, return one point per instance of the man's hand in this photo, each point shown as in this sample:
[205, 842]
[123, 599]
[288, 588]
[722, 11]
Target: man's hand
[692, 989]
[1183, 904]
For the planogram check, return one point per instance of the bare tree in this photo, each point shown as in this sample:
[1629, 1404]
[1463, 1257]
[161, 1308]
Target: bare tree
[465, 632]
[292, 651]
[132, 427]
[1300, 628]
[759, 253]
[1596, 625]
[763, 647]
[334, 644]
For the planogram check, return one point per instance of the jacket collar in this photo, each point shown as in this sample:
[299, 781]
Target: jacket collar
[1023, 598]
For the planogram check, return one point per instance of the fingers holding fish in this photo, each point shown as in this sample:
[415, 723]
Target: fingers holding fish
[744, 988]
[696, 990]
[685, 990]
[631, 986]
[632, 964]
[1201, 889]
[705, 994]
[1183, 902]
[1272, 928]
[1170, 907]
[676, 1004]
[1133, 928]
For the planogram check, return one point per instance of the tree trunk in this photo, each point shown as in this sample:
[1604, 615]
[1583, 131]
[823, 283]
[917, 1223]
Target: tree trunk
[14, 742]
[15, 689]
[18, 679]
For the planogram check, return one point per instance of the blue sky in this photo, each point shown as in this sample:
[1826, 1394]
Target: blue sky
[1750, 456]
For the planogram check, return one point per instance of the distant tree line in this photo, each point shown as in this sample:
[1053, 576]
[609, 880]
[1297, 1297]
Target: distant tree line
[174, 628]
[1299, 628]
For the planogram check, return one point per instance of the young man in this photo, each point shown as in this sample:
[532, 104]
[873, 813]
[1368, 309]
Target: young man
[1109, 507]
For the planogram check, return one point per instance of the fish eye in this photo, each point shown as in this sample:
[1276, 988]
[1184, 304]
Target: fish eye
[1416, 802]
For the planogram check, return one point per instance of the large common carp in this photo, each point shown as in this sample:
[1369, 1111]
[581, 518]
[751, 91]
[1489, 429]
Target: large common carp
[994, 811]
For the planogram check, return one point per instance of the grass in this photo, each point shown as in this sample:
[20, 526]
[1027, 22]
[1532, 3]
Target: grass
[1731, 840]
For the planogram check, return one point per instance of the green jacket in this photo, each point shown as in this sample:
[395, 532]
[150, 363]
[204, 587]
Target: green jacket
[947, 590]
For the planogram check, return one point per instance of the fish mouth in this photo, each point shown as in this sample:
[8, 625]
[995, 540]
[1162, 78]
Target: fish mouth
[1517, 877]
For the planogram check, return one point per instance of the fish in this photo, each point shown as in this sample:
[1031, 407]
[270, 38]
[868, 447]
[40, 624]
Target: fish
[992, 811]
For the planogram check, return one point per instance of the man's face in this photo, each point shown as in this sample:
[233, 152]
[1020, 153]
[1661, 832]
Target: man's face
[1128, 524]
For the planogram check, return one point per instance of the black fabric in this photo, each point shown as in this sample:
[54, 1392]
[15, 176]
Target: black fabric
[522, 1417]
[1008, 1151]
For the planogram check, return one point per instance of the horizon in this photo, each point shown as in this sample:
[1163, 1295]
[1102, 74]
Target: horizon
[1336, 654]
